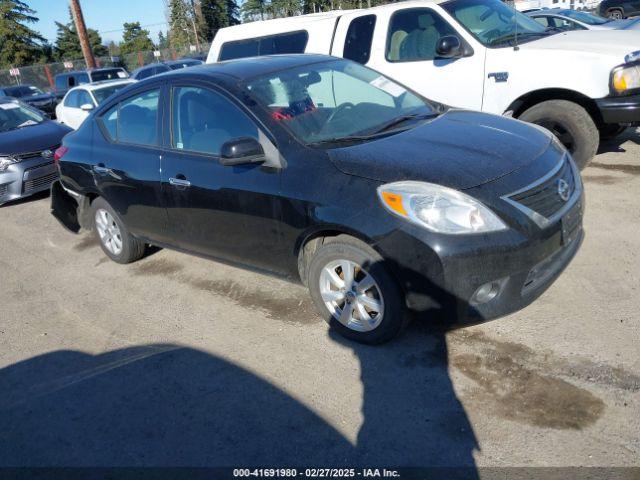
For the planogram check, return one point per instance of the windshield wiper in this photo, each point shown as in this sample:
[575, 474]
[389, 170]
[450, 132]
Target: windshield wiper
[512, 36]
[399, 120]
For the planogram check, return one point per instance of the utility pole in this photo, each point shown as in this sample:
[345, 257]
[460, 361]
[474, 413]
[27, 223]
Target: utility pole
[194, 15]
[82, 33]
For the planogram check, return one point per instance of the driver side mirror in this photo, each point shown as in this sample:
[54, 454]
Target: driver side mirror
[449, 46]
[240, 151]
[87, 107]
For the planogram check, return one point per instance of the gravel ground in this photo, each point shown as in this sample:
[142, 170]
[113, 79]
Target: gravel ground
[177, 360]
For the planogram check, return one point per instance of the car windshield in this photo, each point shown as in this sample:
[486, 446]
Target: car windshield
[494, 23]
[108, 74]
[337, 101]
[23, 91]
[15, 115]
[585, 17]
[101, 94]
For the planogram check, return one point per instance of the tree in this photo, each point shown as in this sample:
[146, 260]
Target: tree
[180, 32]
[163, 41]
[20, 44]
[67, 46]
[216, 14]
[255, 10]
[135, 39]
[286, 8]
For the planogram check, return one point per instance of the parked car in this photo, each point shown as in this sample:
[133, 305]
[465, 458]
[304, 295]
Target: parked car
[470, 54]
[317, 167]
[28, 140]
[618, 9]
[68, 80]
[33, 96]
[80, 101]
[164, 67]
[567, 19]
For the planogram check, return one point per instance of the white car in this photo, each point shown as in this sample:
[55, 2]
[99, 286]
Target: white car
[79, 101]
[581, 85]
[567, 19]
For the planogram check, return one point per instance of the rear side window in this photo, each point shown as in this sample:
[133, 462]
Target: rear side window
[203, 120]
[292, 42]
[357, 46]
[111, 74]
[134, 120]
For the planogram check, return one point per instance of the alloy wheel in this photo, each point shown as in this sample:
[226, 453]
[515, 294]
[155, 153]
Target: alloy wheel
[108, 231]
[352, 295]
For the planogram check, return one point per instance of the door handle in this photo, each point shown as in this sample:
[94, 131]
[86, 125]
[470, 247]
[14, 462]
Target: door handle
[179, 182]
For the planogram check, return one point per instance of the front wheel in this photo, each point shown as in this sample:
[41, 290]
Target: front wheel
[354, 292]
[114, 237]
[615, 14]
[571, 123]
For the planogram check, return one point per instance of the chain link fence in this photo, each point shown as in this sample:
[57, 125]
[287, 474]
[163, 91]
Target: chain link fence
[43, 75]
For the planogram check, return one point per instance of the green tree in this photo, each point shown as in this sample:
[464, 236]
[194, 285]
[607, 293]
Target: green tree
[67, 46]
[216, 14]
[163, 40]
[135, 39]
[286, 8]
[19, 44]
[180, 27]
[252, 10]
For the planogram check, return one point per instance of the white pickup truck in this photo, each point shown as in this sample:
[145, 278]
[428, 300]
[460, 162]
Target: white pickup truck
[473, 54]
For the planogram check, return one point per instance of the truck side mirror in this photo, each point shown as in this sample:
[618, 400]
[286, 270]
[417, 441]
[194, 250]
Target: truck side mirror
[449, 46]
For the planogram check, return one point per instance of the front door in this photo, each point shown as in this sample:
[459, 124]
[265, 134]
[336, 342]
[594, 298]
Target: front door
[233, 212]
[406, 51]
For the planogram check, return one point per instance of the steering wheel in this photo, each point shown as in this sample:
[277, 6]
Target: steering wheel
[338, 110]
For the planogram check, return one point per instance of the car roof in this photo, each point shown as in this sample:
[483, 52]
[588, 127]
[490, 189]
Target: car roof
[243, 68]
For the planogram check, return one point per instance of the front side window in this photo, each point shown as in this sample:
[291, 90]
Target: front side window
[71, 100]
[84, 98]
[134, 120]
[292, 42]
[414, 33]
[357, 45]
[336, 100]
[203, 120]
[102, 94]
[493, 23]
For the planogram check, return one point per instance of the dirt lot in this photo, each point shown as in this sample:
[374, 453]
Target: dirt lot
[177, 360]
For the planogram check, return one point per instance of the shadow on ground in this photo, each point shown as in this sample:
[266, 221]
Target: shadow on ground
[167, 405]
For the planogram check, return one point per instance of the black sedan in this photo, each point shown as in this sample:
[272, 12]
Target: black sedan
[33, 96]
[27, 144]
[309, 166]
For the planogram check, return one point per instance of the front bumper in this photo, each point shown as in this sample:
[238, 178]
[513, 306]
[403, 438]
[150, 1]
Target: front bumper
[444, 278]
[26, 178]
[623, 110]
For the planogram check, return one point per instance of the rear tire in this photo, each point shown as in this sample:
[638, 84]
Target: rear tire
[571, 123]
[114, 237]
[349, 302]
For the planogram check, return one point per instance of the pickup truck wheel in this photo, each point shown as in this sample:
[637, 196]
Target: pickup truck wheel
[354, 293]
[114, 237]
[608, 132]
[571, 123]
[615, 14]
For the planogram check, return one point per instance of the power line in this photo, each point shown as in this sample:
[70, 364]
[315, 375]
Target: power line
[141, 26]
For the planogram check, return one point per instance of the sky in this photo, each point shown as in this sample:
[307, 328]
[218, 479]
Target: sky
[106, 16]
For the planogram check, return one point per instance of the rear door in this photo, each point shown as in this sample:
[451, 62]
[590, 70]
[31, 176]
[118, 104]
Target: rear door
[232, 212]
[126, 163]
[403, 47]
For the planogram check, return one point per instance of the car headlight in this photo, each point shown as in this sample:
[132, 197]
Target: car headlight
[5, 162]
[437, 208]
[625, 78]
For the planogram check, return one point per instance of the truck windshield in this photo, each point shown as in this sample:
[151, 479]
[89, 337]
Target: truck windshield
[494, 23]
[337, 101]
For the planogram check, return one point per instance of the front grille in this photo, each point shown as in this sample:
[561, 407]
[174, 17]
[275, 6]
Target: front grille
[40, 183]
[27, 156]
[543, 197]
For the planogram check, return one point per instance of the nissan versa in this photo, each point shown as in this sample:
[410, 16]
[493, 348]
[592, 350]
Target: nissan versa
[379, 200]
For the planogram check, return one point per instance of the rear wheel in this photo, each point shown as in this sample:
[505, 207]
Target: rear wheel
[571, 123]
[615, 14]
[114, 237]
[354, 292]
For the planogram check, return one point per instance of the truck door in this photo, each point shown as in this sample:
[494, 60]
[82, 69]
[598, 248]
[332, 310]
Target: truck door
[403, 47]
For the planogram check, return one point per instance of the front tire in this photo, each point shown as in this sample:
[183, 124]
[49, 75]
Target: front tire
[354, 292]
[615, 14]
[114, 237]
[571, 123]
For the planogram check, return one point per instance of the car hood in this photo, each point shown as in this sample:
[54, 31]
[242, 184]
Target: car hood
[38, 98]
[459, 149]
[32, 139]
[595, 43]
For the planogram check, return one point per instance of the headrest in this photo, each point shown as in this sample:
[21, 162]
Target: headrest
[425, 21]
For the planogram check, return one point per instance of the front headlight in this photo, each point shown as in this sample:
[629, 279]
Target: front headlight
[625, 78]
[437, 208]
[5, 162]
